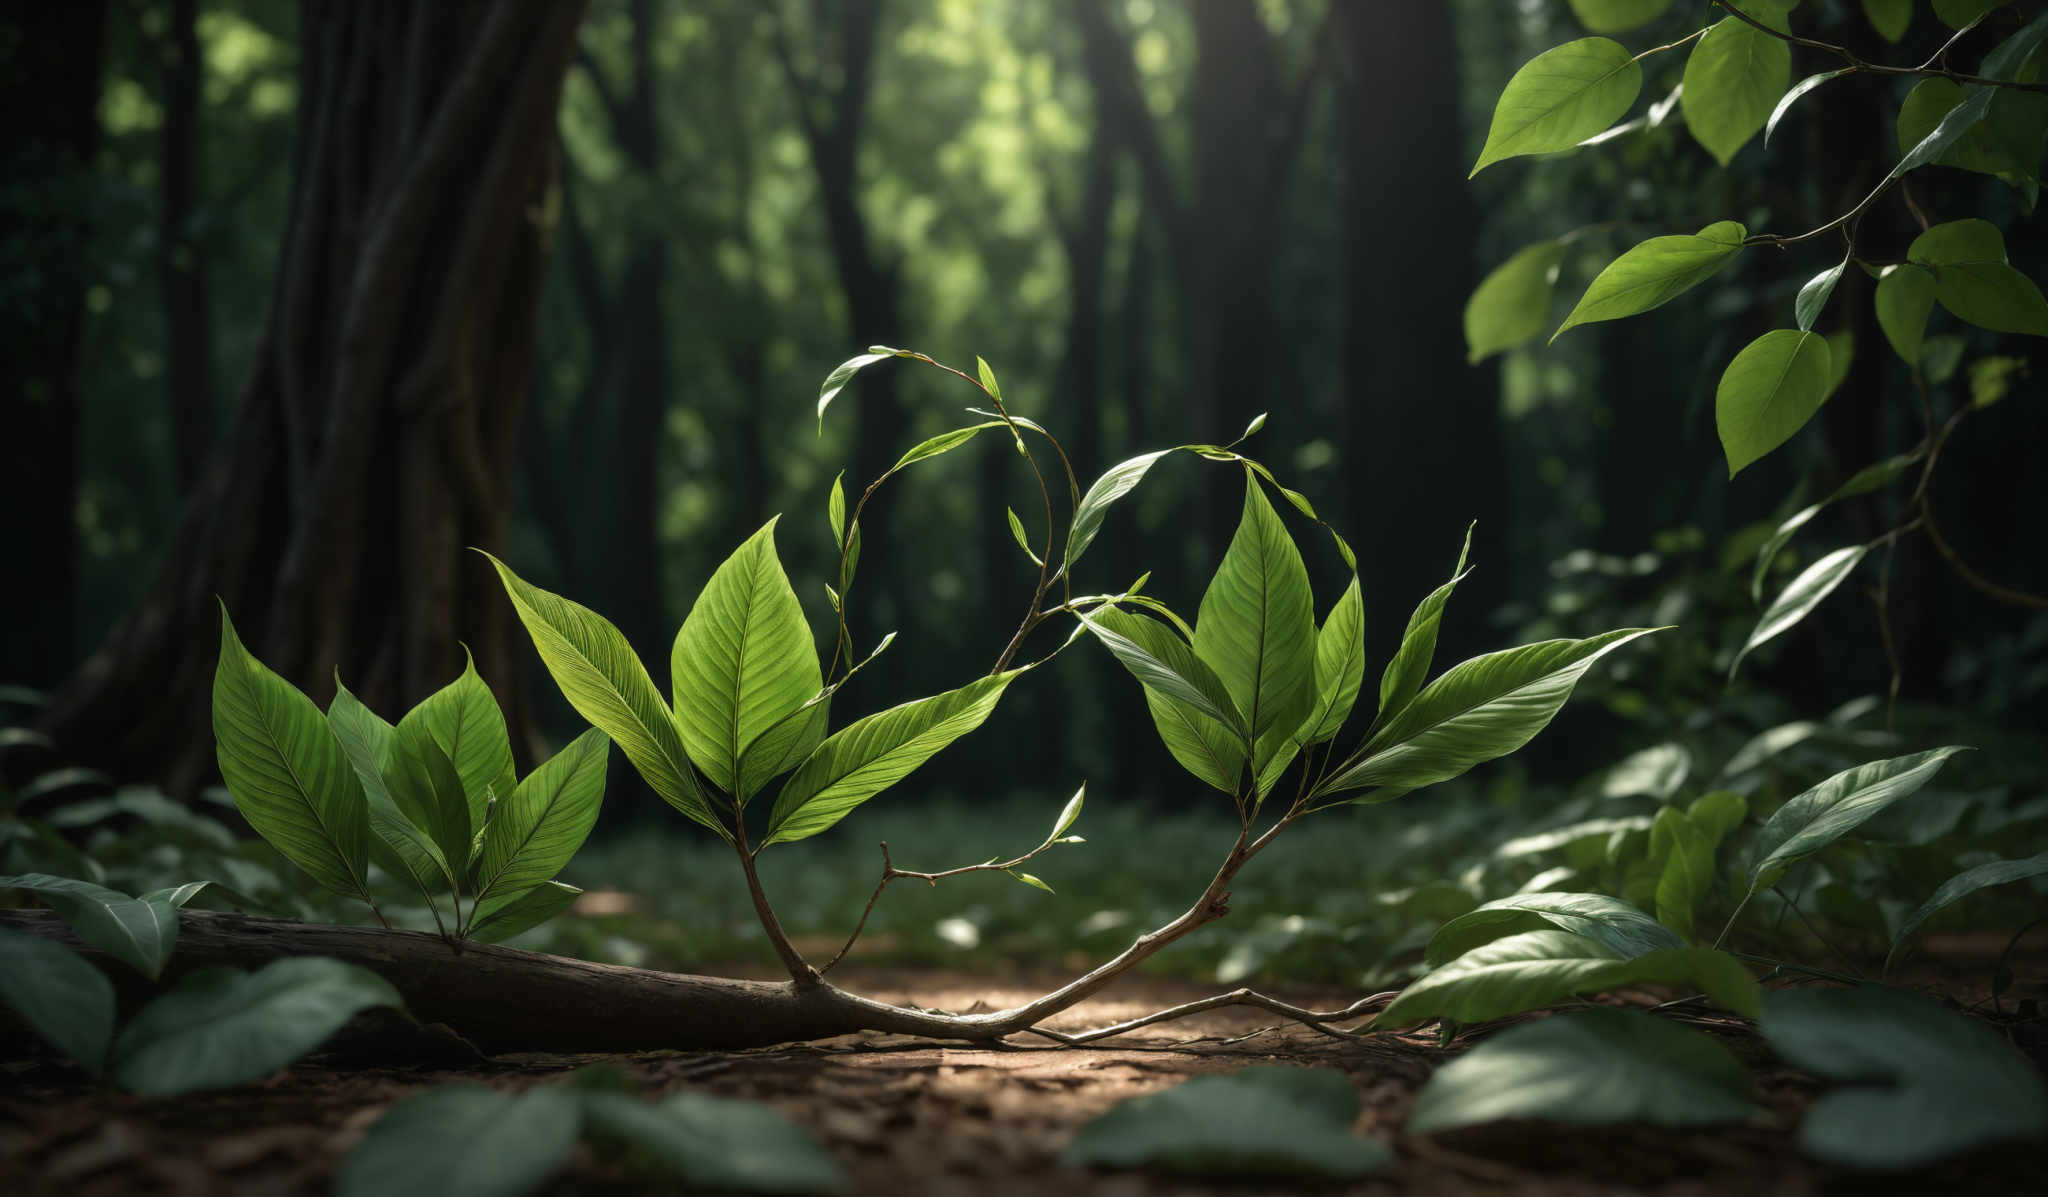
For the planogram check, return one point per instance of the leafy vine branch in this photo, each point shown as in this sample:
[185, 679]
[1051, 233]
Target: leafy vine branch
[1858, 65]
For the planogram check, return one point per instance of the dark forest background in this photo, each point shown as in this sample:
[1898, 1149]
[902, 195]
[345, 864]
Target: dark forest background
[299, 300]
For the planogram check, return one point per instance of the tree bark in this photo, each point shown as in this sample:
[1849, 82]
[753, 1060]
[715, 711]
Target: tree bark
[51, 57]
[377, 433]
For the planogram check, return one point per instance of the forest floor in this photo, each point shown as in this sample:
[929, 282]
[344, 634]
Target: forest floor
[913, 1117]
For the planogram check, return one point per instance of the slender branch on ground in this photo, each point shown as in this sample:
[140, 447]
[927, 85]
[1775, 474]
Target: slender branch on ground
[1858, 65]
[1316, 1019]
[1788, 967]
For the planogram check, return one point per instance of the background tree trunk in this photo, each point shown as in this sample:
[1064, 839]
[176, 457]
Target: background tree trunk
[181, 265]
[378, 428]
[51, 57]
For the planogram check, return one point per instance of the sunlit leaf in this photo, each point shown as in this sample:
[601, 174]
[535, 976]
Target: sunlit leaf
[1973, 281]
[539, 827]
[1769, 392]
[1257, 627]
[1614, 924]
[1617, 16]
[1814, 296]
[1409, 668]
[842, 374]
[1117, 482]
[1733, 80]
[1655, 272]
[1512, 303]
[1561, 97]
[1541, 968]
[464, 719]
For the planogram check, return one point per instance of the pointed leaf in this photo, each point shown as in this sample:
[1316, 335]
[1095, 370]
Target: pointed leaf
[1484, 708]
[464, 719]
[1814, 583]
[1814, 296]
[544, 821]
[221, 1027]
[464, 1141]
[842, 374]
[1655, 272]
[398, 847]
[498, 919]
[1614, 924]
[287, 774]
[428, 793]
[1068, 813]
[1837, 806]
[743, 661]
[872, 754]
[1257, 624]
[1541, 968]
[61, 997]
[945, 442]
[1862, 482]
[1769, 392]
[1340, 666]
[1512, 304]
[1196, 718]
[1409, 667]
[1962, 885]
[602, 678]
[1792, 97]
[1733, 79]
[136, 931]
[1591, 1067]
[1017, 533]
[1561, 97]
[1119, 481]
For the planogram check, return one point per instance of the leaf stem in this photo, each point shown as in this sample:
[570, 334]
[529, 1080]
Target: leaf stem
[890, 873]
[1857, 64]
[800, 971]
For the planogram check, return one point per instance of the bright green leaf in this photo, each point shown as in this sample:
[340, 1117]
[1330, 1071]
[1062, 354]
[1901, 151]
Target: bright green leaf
[1814, 296]
[1733, 80]
[1196, 718]
[743, 662]
[603, 679]
[1512, 304]
[1257, 625]
[1769, 392]
[464, 719]
[842, 374]
[872, 754]
[1409, 668]
[287, 774]
[1017, 532]
[1114, 484]
[497, 921]
[544, 821]
[1973, 281]
[1340, 666]
[1589, 1068]
[1617, 16]
[1561, 97]
[1655, 272]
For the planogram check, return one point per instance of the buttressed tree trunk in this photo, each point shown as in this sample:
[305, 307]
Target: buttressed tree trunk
[378, 426]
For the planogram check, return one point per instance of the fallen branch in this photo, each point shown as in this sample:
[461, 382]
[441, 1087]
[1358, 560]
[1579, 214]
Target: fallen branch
[1313, 1019]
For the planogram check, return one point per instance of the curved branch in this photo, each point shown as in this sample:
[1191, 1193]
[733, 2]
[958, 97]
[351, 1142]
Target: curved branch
[1316, 1019]
[1857, 64]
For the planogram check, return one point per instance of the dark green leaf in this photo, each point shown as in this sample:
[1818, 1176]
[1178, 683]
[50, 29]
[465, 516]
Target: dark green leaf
[716, 1143]
[1540, 968]
[1617, 16]
[61, 997]
[1805, 592]
[1962, 885]
[1262, 1122]
[139, 932]
[496, 923]
[1862, 482]
[464, 1141]
[222, 1027]
[1944, 1083]
[1889, 17]
[463, 718]
[1592, 1067]
[1960, 14]
[1837, 806]
[1973, 281]
[428, 793]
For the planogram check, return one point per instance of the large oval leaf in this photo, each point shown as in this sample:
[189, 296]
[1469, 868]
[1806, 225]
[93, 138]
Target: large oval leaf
[1561, 97]
[603, 679]
[464, 1141]
[1813, 820]
[284, 769]
[1590, 1068]
[1611, 922]
[744, 661]
[61, 997]
[463, 718]
[1905, 298]
[1733, 79]
[1484, 708]
[222, 1027]
[1973, 281]
[1512, 303]
[870, 755]
[1257, 623]
[1655, 272]
[545, 820]
[1769, 392]
[1196, 718]
[134, 930]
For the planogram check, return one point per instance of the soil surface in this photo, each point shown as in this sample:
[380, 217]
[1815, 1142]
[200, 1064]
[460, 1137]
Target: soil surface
[914, 1117]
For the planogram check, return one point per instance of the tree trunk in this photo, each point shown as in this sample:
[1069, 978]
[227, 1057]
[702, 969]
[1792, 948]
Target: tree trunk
[181, 261]
[378, 428]
[1421, 430]
[51, 57]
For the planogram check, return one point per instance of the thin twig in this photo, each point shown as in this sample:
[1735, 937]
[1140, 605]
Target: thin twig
[1815, 932]
[1859, 65]
[890, 873]
[1316, 1019]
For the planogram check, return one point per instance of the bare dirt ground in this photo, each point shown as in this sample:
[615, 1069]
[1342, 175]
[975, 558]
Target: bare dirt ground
[915, 1117]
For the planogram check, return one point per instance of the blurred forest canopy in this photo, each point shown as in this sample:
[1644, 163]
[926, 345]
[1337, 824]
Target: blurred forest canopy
[1155, 219]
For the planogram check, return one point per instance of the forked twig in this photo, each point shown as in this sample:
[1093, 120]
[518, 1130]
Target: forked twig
[1315, 1019]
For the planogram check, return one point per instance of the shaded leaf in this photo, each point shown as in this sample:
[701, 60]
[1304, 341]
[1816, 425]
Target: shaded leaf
[1617, 16]
[716, 1143]
[464, 720]
[1962, 885]
[59, 995]
[1792, 97]
[1272, 1121]
[138, 932]
[1540, 968]
[1862, 482]
[464, 1141]
[1973, 281]
[1512, 303]
[1196, 717]
[1614, 924]
[1889, 17]
[1813, 820]
[497, 920]
[1805, 592]
[1591, 1067]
